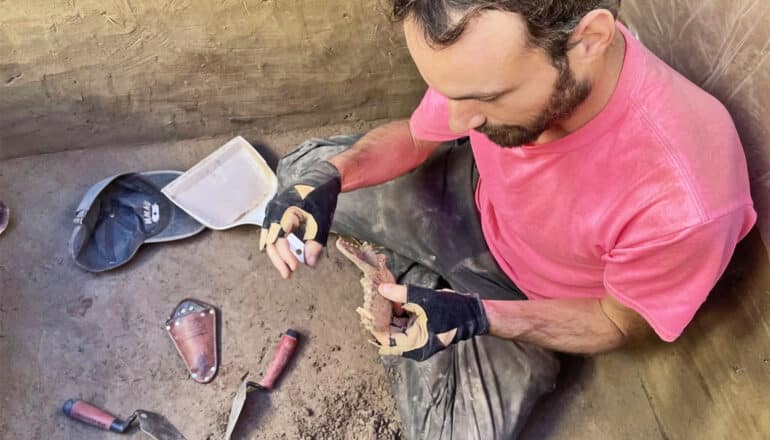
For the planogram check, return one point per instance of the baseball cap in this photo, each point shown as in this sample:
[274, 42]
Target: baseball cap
[120, 213]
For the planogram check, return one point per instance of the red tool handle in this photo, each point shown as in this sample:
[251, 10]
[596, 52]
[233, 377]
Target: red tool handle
[87, 413]
[282, 356]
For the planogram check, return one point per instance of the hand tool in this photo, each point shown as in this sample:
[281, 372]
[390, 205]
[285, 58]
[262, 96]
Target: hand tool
[5, 215]
[286, 348]
[152, 424]
[230, 187]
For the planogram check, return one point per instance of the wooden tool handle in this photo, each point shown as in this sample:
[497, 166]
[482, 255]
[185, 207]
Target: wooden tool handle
[92, 415]
[282, 356]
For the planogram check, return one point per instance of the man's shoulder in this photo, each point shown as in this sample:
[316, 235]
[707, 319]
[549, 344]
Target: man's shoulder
[691, 136]
[674, 107]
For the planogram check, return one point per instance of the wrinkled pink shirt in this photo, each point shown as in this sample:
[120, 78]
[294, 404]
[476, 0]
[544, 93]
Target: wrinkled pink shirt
[645, 203]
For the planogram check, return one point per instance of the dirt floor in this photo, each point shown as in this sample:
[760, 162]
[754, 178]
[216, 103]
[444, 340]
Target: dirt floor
[65, 333]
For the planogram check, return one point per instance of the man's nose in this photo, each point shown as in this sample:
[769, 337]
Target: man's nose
[464, 116]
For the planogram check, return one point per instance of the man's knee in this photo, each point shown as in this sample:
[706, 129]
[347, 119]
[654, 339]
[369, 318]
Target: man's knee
[292, 165]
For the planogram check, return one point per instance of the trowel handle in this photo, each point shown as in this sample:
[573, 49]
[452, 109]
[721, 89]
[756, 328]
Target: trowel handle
[282, 356]
[87, 413]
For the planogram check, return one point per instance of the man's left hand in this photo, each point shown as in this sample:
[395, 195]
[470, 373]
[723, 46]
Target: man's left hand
[437, 318]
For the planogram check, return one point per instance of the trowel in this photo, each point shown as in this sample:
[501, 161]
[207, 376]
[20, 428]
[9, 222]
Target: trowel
[5, 215]
[282, 356]
[230, 187]
[152, 424]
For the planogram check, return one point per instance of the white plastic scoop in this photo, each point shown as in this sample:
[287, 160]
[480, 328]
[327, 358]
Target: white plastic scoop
[230, 187]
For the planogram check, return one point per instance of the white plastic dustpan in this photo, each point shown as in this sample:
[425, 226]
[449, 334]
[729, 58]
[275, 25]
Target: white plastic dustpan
[230, 187]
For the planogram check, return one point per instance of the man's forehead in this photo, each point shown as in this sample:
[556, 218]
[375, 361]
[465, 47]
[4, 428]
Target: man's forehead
[479, 62]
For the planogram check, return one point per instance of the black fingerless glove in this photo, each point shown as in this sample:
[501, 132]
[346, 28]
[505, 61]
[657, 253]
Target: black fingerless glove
[313, 197]
[435, 313]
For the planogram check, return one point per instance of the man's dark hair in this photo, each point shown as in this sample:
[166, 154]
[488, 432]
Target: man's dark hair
[550, 22]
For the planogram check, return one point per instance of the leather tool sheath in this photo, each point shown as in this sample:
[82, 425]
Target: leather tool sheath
[193, 328]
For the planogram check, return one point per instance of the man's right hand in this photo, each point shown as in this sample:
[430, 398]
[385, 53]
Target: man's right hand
[308, 204]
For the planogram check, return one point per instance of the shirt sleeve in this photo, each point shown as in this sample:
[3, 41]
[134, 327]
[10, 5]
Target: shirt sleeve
[430, 122]
[667, 279]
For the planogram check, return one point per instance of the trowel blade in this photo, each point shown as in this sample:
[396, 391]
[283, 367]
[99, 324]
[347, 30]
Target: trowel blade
[157, 426]
[5, 214]
[235, 411]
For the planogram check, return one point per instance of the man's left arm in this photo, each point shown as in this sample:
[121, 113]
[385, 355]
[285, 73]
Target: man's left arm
[584, 326]
[440, 318]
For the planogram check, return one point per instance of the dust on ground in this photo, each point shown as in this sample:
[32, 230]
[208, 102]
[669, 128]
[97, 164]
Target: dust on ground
[362, 409]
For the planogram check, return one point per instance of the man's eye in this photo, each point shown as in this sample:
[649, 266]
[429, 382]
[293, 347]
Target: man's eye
[489, 98]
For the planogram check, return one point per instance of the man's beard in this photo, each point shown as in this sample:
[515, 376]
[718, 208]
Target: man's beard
[568, 94]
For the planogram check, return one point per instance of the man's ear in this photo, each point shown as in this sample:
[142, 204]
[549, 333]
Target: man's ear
[593, 35]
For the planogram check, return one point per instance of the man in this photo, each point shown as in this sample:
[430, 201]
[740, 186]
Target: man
[602, 186]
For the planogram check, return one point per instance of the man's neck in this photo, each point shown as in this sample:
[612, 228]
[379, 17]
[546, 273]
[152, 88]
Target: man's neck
[603, 86]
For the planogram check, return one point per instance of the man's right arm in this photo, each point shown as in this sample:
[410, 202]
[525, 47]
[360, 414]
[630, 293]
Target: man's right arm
[381, 155]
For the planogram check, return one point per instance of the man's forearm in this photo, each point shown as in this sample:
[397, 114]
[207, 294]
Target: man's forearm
[568, 325]
[381, 155]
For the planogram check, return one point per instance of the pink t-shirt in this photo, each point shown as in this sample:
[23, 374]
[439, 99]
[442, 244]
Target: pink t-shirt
[646, 202]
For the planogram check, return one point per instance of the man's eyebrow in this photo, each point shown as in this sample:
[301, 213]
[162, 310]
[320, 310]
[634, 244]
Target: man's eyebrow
[478, 95]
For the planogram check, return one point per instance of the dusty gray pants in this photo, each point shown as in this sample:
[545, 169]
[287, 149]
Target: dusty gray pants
[483, 388]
